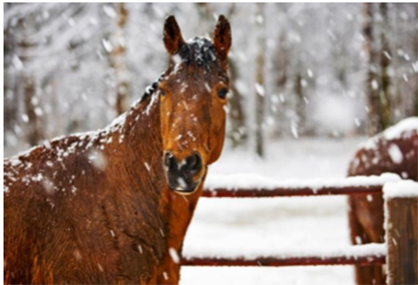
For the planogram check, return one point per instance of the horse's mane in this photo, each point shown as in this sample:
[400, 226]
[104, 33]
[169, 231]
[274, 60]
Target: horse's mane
[150, 90]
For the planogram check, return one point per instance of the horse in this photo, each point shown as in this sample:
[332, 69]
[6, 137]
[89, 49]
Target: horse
[113, 206]
[394, 150]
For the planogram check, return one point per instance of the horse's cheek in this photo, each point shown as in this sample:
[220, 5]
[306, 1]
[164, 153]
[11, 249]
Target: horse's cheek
[164, 123]
[217, 142]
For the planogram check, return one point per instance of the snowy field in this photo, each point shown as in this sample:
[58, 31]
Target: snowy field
[302, 223]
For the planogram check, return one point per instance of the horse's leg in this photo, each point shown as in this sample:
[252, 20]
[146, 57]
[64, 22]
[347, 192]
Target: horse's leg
[169, 272]
[366, 226]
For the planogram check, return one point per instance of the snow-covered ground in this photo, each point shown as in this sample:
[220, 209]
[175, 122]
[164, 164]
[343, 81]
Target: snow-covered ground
[248, 225]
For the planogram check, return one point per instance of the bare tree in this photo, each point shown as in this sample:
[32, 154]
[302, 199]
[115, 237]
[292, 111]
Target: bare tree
[300, 107]
[282, 61]
[27, 86]
[119, 63]
[34, 130]
[237, 131]
[115, 46]
[10, 99]
[281, 69]
[378, 62]
[385, 58]
[259, 85]
[374, 125]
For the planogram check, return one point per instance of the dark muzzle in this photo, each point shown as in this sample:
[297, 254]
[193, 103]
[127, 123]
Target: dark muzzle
[180, 174]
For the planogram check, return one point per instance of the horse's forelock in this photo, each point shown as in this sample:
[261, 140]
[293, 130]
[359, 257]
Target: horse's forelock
[198, 51]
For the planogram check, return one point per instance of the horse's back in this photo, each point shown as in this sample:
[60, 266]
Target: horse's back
[380, 155]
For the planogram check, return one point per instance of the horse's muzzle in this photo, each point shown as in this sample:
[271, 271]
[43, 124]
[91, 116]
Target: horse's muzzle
[181, 176]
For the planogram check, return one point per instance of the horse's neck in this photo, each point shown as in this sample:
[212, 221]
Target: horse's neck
[141, 137]
[144, 142]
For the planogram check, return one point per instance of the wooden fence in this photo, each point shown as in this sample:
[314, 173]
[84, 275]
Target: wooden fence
[401, 212]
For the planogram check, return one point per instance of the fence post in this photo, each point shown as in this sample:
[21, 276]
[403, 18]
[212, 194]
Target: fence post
[401, 223]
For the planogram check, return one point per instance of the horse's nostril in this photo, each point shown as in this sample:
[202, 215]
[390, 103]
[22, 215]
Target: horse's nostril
[170, 160]
[194, 163]
[191, 160]
[188, 167]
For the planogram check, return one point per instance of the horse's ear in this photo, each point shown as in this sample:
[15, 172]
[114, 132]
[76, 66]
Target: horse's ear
[173, 39]
[222, 37]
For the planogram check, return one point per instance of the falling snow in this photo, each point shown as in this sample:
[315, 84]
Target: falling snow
[77, 63]
[395, 153]
[174, 255]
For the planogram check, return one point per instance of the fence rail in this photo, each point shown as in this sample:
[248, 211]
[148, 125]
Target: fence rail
[401, 212]
[289, 192]
[366, 254]
[286, 261]
[266, 187]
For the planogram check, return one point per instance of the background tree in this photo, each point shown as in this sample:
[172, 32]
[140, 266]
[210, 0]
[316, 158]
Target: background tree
[117, 58]
[385, 59]
[259, 84]
[373, 102]
[278, 102]
[237, 131]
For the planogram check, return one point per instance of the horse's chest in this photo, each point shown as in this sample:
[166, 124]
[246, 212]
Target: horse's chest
[117, 258]
[138, 246]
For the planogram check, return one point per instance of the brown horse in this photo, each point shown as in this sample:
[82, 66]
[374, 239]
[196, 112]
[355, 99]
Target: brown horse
[113, 206]
[395, 150]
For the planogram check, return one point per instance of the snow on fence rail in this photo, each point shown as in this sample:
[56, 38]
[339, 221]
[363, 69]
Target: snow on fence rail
[360, 254]
[258, 186]
[400, 252]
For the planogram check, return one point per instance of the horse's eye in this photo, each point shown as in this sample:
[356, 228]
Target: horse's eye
[222, 93]
[162, 92]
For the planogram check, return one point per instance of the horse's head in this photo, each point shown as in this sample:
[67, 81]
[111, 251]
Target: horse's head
[193, 94]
